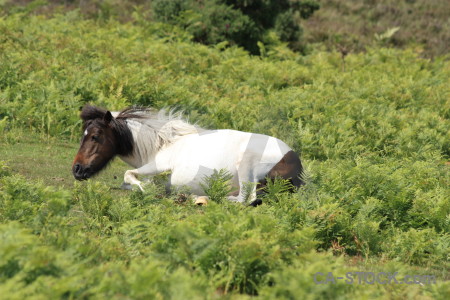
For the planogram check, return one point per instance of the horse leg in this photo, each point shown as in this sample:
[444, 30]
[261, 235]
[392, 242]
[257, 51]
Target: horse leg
[242, 194]
[251, 195]
[247, 186]
[130, 176]
[257, 200]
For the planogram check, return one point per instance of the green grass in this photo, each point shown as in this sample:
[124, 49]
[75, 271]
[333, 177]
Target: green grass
[373, 132]
[285, 241]
[46, 159]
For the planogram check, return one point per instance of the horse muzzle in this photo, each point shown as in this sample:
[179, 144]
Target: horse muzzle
[81, 172]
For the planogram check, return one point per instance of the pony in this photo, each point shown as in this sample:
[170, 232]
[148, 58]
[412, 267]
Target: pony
[154, 142]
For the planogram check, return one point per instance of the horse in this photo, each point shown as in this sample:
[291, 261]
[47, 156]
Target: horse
[155, 142]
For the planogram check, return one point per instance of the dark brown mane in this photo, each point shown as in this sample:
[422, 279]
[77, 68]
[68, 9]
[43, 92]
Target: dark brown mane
[125, 143]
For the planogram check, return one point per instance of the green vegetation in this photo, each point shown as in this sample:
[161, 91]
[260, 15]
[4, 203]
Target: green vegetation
[373, 130]
[353, 25]
[240, 22]
[237, 22]
[347, 26]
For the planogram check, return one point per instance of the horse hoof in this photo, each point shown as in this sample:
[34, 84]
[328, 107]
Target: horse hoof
[126, 186]
[256, 203]
[202, 200]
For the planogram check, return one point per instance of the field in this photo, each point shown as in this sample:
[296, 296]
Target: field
[373, 130]
[353, 24]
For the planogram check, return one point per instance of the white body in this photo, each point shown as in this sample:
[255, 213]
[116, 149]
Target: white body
[190, 157]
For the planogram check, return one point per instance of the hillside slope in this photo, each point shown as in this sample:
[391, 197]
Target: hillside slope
[372, 129]
[353, 25]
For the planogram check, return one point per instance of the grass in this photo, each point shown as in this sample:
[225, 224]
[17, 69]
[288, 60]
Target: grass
[118, 232]
[153, 245]
[46, 159]
[373, 134]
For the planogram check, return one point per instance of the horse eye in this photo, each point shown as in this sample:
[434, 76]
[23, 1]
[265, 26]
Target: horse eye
[95, 138]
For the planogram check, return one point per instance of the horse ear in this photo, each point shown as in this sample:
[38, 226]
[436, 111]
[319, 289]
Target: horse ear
[107, 117]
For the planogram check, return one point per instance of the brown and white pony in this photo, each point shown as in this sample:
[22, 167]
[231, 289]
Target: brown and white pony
[154, 143]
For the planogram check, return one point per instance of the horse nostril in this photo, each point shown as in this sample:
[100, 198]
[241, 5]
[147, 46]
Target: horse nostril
[78, 171]
[77, 168]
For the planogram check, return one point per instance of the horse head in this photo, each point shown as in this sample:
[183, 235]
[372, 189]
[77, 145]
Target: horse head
[104, 137]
